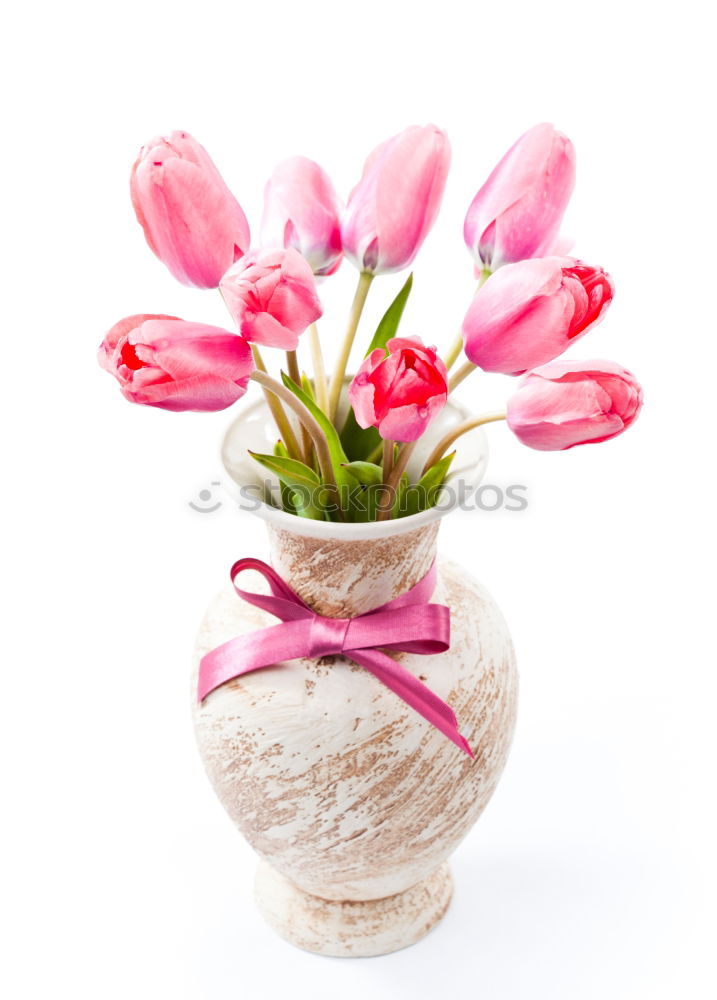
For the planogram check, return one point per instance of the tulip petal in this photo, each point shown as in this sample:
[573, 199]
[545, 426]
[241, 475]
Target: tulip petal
[400, 393]
[529, 312]
[175, 365]
[564, 404]
[271, 293]
[191, 220]
[302, 211]
[517, 213]
[394, 205]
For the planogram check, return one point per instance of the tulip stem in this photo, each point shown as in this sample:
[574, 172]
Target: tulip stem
[468, 425]
[386, 504]
[388, 450]
[458, 376]
[292, 364]
[457, 346]
[454, 351]
[277, 411]
[320, 384]
[307, 420]
[337, 379]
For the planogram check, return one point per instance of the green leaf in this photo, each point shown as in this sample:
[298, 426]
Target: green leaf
[399, 504]
[307, 386]
[309, 390]
[287, 501]
[392, 317]
[348, 488]
[300, 479]
[427, 490]
[338, 456]
[289, 470]
[372, 495]
[362, 504]
[365, 473]
[435, 476]
[358, 442]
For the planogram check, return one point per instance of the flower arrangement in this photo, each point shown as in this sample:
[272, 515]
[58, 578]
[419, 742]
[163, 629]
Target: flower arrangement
[531, 303]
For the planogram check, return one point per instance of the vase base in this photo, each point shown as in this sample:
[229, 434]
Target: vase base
[352, 929]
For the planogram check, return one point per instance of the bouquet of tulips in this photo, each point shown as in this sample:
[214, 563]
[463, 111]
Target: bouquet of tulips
[532, 302]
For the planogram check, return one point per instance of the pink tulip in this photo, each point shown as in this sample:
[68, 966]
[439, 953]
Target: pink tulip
[167, 362]
[400, 393]
[272, 296]
[518, 211]
[301, 210]
[530, 312]
[191, 220]
[394, 205]
[573, 402]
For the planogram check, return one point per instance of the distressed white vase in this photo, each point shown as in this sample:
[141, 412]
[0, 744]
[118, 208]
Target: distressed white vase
[352, 800]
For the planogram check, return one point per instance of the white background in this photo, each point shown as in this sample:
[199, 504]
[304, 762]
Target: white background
[591, 875]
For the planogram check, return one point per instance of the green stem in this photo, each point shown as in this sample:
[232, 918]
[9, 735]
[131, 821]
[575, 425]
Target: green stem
[292, 363]
[468, 425]
[374, 455]
[277, 411]
[404, 453]
[337, 379]
[463, 372]
[321, 387]
[457, 346]
[454, 351]
[388, 450]
[385, 497]
[307, 420]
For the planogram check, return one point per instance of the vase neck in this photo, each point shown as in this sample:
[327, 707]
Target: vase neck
[343, 579]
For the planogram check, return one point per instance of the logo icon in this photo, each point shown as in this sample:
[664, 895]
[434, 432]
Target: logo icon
[206, 497]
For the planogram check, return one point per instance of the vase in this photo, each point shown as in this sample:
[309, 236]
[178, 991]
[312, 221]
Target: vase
[351, 799]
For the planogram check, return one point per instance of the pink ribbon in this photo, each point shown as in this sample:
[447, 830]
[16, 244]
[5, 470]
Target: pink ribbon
[408, 623]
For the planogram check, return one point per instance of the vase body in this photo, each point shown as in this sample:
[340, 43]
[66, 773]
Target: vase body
[353, 801]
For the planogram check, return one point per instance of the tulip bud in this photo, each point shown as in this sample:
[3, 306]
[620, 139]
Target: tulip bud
[530, 312]
[191, 220]
[518, 211]
[573, 402]
[301, 210]
[399, 393]
[394, 205]
[166, 362]
[272, 296]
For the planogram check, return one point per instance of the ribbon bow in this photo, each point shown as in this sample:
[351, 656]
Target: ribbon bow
[408, 623]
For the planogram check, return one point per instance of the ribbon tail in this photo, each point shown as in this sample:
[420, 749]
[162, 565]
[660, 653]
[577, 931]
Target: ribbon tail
[408, 687]
[266, 647]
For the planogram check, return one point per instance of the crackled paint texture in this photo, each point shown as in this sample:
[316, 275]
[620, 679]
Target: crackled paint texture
[340, 786]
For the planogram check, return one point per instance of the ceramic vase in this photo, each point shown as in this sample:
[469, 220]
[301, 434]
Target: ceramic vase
[352, 800]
